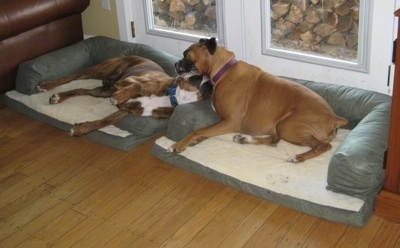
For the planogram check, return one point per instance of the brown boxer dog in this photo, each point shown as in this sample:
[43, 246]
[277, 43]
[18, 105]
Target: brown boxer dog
[136, 85]
[253, 102]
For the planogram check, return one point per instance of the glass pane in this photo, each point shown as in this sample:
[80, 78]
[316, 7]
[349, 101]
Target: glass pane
[184, 19]
[330, 30]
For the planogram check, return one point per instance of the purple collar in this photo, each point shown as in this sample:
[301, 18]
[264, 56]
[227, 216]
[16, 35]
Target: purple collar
[224, 68]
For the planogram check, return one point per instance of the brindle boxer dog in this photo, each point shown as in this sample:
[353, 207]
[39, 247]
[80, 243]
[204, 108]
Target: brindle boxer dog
[253, 102]
[136, 85]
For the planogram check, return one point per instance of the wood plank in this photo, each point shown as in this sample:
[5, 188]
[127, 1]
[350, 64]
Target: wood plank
[169, 214]
[388, 235]
[388, 205]
[273, 231]
[361, 236]
[133, 209]
[21, 230]
[11, 181]
[192, 227]
[101, 215]
[249, 225]
[326, 234]
[298, 235]
[112, 186]
[54, 230]
[47, 170]
[15, 206]
[237, 210]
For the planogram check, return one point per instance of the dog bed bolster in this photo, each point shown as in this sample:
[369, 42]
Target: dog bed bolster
[82, 55]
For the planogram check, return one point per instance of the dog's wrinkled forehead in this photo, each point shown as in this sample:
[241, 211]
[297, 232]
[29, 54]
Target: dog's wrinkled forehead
[209, 44]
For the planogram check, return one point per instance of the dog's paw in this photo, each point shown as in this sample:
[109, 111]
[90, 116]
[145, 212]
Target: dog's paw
[39, 88]
[177, 148]
[293, 159]
[79, 129]
[113, 101]
[239, 139]
[54, 99]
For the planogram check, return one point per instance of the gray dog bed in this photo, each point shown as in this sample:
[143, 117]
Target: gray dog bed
[341, 185]
[127, 133]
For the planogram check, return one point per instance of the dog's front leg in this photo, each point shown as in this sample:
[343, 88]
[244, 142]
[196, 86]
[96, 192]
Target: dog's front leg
[219, 128]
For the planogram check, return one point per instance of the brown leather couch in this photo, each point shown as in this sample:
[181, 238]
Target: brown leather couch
[29, 28]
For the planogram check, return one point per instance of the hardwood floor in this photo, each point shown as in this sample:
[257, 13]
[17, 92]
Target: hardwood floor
[59, 191]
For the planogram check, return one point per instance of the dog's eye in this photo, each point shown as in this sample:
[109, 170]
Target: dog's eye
[185, 53]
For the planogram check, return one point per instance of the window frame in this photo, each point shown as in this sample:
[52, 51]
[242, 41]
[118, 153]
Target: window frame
[152, 30]
[363, 54]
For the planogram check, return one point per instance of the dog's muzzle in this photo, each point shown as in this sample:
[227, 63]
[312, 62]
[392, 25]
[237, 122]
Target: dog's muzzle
[184, 66]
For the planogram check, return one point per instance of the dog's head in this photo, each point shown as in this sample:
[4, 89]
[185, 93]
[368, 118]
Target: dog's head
[196, 59]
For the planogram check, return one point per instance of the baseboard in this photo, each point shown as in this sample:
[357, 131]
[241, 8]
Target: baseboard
[388, 205]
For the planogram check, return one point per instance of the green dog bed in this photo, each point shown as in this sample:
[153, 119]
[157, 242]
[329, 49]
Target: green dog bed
[127, 133]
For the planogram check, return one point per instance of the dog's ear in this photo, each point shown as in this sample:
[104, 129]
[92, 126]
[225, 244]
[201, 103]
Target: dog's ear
[211, 44]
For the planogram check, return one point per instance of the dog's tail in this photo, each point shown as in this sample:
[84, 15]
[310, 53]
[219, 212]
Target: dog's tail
[340, 122]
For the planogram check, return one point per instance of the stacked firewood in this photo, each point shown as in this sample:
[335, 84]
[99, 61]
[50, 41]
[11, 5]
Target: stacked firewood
[314, 22]
[185, 14]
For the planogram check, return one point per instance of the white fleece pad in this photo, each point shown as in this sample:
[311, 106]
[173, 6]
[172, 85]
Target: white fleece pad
[267, 168]
[74, 110]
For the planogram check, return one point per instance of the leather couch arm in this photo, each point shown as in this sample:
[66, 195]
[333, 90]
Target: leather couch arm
[18, 16]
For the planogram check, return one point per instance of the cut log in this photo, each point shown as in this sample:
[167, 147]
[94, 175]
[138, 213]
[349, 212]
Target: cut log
[279, 10]
[304, 27]
[208, 2]
[324, 30]
[160, 6]
[351, 40]
[336, 39]
[301, 4]
[295, 15]
[308, 38]
[285, 25]
[345, 23]
[160, 22]
[177, 5]
[312, 16]
[191, 2]
[332, 20]
[346, 7]
[211, 12]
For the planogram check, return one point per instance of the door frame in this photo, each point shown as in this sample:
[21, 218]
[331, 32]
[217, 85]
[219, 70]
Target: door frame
[247, 44]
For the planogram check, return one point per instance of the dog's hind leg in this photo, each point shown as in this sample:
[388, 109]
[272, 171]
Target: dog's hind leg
[102, 91]
[313, 152]
[83, 128]
[270, 140]
[298, 132]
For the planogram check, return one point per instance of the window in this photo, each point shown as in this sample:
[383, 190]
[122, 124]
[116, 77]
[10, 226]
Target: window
[185, 19]
[327, 32]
